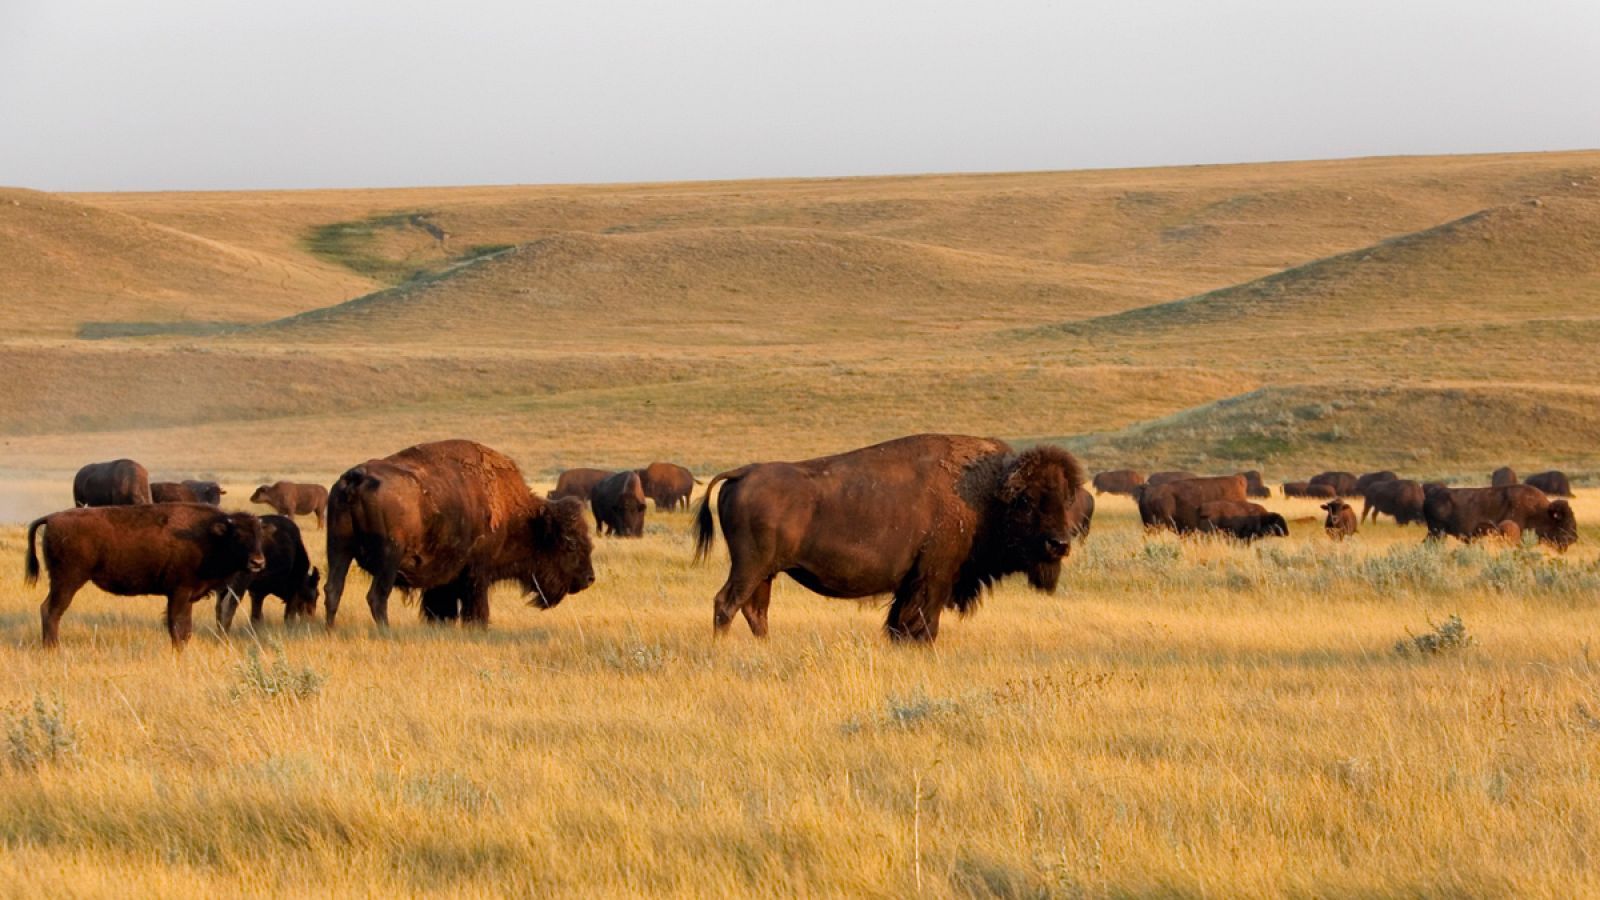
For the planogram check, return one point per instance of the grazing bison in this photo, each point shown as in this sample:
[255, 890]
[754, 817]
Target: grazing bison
[619, 504]
[1253, 485]
[668, 484]
[1169, 477]
[1462, 512]
[287, 574]
[180, 550]
[452, 519]
[1341, 520]
[1343, 483]
[1307, 489]
[1401, 498]
[1117, 481]
[1240, 519]
[1503, 476]
[578, 483]
[289, 498]
[1372, 478]
[1553, 483]
[121, 482]
[933, 519]
[1176, 504]
[207, 492]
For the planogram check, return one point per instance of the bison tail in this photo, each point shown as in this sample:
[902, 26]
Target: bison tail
[705, 526]
[31, 565]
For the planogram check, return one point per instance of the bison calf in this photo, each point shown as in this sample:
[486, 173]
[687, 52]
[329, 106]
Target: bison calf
[287, 574]
[1341, 520]
[288, 498]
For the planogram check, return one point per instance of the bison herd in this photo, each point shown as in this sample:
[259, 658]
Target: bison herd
[931, 520]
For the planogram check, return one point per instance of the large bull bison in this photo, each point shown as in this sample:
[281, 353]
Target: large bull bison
[288, 498]
[1400, 497]
[287, 574]
[1343, 483]
[1176, 504]
[1503, 476]
[1369, 479]
[207, 492]
[1239, 519]
[1117, 481]
[121, 482]
[182, 551]
[1464, 512]
[1554, 483]
[452, 519]
[933, 519]
[619, 504]
[1169, 477]
[668, 484]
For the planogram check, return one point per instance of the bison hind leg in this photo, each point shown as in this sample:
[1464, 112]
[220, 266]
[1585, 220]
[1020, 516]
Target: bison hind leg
[55, 604]
[755, 609]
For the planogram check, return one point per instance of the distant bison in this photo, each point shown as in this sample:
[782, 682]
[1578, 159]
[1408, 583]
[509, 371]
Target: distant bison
[182, 551]
[1176, 504]
[1239, 519]
[1343, 483]
[1553, 483]
[1502, 476]
[578, 483]
[619, 504]
[452, 519]
[1341, 520]
[1253, 486]
[1463, 512]
[668, 484]
[1401, 498]
[290, 498]
[1307, 489]
[1371, 478]
[1117, 481]
[933, 519]
[1169, 477]
[287, 575]
[207, 492]
[121, 482]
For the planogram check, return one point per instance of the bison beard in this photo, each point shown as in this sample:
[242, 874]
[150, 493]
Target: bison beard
[930, 519]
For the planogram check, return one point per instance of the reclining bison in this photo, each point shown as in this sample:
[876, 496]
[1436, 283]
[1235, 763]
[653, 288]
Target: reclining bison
[288, 498]
[932, 519]
[618, 503]
[668, 484]
[207, 492]
[1239, 519]
[1401, 498]
[1553, 483]
[182, 551]
[1117, 481]
[1176, 504]
[287, 574]
[1465, 512]
[121, 482]
[452, 519]
[1341, 520]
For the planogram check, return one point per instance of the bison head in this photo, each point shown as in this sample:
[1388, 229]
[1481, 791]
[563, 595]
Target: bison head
[561, 552]
[234, 544]
[633, 504]
[304, 601]
[1557, 526]
[1038, 493]
[260, 496]
[1274, 525]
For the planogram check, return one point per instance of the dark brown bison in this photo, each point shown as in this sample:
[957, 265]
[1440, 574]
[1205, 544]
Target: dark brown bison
[1176, 504]
[121, 482]
[182, 551]
[1169, 477]
[668, 484]
[1307, 489]
[1343, 483]
[1503, 476]
[1371, 478]
[290, 498]
[578, 483]
[933, 519]
[1117, 481]
[1239, 519]
[452, 519]
[1553, 483]
[1401, 498]
[1253, 485]
[1462, 512]
[287, 574]
[207, 492]
[1341, 520]
[618, 502]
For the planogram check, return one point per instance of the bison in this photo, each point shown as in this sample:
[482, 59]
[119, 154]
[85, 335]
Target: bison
[1553, 483]
[1169, 477]
[1253, 485]
[1371, 478]
[1117, 481]
[288, 498]
[1307, 489]
[207, 492]
[1401, 498]
[1176, 504]
[180, 550]
[287, 574]
[1239, 519]
[1503, 476]
[1462, 512]
[668, 484]
[121, 482]
[619, 504]
[452, 519]
[932, 519]
[1341, 520]
[578, 483]
[1343, 483]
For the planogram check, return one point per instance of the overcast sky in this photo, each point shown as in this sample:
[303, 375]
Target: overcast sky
[226, 94]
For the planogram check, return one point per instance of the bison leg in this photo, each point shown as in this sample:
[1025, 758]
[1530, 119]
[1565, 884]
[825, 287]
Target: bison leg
[319, 512]
[733, 597]
[338, 568]
[441, 604]
[914, 615]
[180, 619]
[755, 609]
[257, 598]
[55, 603]
[382, 586]
[475, 605]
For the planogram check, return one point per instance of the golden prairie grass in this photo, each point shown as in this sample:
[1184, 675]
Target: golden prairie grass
[1183, 718]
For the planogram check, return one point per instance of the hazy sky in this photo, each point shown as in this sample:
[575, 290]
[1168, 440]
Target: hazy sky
[229, 94]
